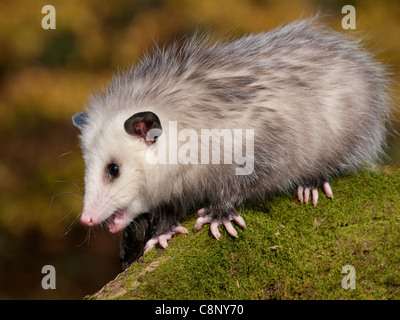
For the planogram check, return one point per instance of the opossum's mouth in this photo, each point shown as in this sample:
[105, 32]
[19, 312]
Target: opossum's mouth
[117, 221]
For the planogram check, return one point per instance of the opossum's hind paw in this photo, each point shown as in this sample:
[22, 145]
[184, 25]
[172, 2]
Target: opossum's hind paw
[204, 217]
[163, 238]
[303, 193]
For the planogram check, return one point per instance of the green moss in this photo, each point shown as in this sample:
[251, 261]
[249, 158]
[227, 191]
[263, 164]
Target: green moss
[288, 250]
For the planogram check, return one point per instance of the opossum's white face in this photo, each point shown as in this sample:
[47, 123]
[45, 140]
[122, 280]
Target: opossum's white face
[114, 178]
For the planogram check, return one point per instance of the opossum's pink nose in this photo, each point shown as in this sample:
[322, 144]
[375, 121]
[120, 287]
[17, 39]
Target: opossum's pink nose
[87, 220]
[89, 216]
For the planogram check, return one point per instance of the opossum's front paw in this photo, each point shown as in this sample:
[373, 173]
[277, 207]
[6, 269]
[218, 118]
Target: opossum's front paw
[205, 215]
[303, 193]
[163, 238]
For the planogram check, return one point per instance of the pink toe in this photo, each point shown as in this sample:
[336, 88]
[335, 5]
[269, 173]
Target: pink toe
[306, 195]
[229, 227]
[201, 212]
[180, 229]
[328, 190]
[200, 221]
[300, 190]
[239, 220]
[163, 240]
[314, 196]
[214, 229]
[150, 244]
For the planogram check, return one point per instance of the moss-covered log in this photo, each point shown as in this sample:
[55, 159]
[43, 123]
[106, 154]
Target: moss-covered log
[289, 250]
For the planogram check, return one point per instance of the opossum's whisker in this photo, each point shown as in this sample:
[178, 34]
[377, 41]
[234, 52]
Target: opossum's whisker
[71, 182]
[71, 225]
[88, 236]
[77, 187]
[95, 154]
[113, 196]
[51, 201]
[65, 153]
[73, 209]
[74, 195]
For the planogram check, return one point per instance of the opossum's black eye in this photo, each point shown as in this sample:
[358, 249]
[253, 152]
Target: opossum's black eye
[113, 170]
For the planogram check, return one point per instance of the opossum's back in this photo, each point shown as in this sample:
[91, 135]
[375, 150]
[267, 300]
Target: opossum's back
[301, 61]
[300, 69]
[318, 101]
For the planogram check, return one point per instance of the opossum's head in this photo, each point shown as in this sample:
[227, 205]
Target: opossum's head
[113, 149]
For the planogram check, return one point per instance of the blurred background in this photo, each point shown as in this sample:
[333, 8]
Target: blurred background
[47, 75]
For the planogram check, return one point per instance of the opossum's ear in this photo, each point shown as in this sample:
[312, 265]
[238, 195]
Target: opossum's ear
[145, 124]
[80, 120]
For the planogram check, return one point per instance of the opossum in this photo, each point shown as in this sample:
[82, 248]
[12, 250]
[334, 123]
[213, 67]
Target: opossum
[304, 103]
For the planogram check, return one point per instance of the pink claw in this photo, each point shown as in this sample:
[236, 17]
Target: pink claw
[202, 212]
[204, 218]
[240, 221]
[303, 193]
[180, 229]
[229, 227]
[300, 191]
[314, 196]
[214, 229]
[306, 195]
[328, 190]
[163, 238]
[150, 244]
[200, 222]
